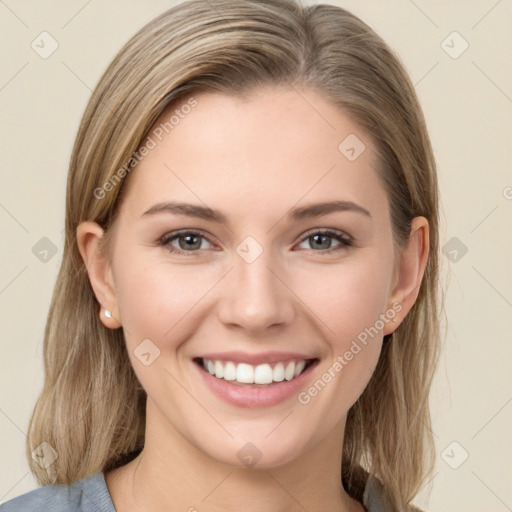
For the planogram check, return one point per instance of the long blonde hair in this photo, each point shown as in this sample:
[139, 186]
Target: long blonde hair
[91, 410]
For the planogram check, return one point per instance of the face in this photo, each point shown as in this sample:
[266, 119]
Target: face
[268, 278]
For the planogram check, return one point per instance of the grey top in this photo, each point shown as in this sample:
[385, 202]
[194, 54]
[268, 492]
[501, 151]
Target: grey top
[91, 495]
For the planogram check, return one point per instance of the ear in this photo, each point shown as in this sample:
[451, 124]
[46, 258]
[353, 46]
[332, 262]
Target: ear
[89, 235]
[411, 267]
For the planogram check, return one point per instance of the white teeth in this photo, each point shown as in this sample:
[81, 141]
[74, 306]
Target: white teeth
[263, 374]
[248, 374]
[219, 370]
[278, 373]
[289, 373]
[245, 373]
[299, 367]
[229, 371]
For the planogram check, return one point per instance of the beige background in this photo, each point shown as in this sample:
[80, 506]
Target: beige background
[468, 105]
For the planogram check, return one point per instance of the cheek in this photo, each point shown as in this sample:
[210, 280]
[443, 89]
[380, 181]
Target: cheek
[348, 302]
[346, 297]
[160, 302]
[156, 298]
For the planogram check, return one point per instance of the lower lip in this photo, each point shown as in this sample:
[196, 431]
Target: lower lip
[250, 397]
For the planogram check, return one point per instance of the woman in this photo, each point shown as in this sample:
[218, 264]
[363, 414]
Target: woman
[246, 314]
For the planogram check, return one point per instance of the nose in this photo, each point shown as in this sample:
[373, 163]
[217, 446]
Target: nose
[256, 295]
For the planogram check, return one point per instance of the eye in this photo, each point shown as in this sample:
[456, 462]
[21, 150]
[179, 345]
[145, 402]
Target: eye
[189, 242]
[320, 239]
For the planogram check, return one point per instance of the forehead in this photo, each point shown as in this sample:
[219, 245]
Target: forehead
[256, 154]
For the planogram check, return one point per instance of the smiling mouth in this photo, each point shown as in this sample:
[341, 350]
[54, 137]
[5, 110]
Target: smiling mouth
[263, 375]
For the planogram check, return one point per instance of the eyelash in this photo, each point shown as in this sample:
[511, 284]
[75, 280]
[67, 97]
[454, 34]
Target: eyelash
[344, 239]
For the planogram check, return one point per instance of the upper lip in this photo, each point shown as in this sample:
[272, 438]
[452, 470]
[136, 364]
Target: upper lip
[255, 359]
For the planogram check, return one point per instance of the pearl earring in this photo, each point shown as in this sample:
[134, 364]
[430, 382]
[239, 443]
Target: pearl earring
[108, 314]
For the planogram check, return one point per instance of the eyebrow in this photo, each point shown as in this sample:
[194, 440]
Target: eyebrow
[206, 213]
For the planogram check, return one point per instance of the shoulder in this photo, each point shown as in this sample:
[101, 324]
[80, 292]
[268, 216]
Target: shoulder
[86, 495]
[374, 498]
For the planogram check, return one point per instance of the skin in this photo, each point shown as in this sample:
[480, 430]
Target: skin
[253, 160]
